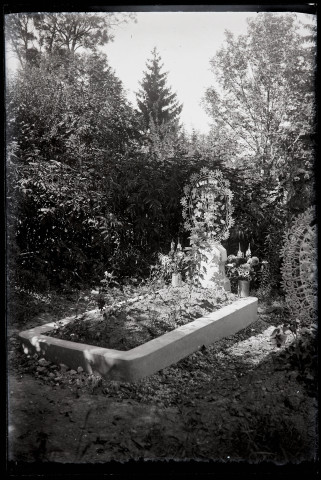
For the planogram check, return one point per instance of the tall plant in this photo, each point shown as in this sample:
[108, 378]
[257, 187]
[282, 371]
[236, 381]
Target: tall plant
[157, 104]
[263, 110]
[31, 34]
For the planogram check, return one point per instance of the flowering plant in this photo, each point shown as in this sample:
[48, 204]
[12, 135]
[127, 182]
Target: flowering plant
[175, 261]
[240, 268]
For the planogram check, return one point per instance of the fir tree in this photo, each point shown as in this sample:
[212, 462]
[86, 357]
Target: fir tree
[156, 102]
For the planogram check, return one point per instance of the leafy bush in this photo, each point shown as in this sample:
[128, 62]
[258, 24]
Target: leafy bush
[54, 225]
[68, 121]
[301, 355]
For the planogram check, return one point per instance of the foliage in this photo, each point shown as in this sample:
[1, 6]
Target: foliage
[108, 281]
[94, 221]
[300, 284]
[261, 217]
[175, 261]
[73, 111]
[301, 355]
[71, 31]
[269, 435]
[64, 134]
[148, 200]
[131, 322]
[54, 225]
[267, 81]
[263, 111]
[156, 102]
[30, 34]
[20, 33]
[161, 143]
[24, 306]
[84, 192]
[89, 189]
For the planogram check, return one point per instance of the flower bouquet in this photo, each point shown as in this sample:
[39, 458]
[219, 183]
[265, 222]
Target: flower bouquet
[239, 269]
[174, 263]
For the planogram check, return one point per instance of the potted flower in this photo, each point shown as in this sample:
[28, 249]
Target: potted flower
[244, 273]
[174, 263]
[244, 278]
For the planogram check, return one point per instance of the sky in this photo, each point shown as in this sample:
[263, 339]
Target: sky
[186, 42]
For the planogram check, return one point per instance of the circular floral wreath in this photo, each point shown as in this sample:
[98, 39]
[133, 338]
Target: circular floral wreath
[299, 268]
[207, 204]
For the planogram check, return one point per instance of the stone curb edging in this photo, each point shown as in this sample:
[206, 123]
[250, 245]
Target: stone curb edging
[148, 358]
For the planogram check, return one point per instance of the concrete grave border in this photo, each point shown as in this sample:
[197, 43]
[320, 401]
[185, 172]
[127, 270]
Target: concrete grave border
[148, 358]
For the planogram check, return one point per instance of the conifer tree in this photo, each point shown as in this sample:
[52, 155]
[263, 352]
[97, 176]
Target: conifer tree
[157, 104]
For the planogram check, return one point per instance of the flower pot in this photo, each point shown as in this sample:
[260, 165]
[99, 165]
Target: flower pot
[244, 288]
[176, 279]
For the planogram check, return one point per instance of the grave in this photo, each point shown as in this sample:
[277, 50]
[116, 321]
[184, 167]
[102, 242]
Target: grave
[207, 211]
[146, 359]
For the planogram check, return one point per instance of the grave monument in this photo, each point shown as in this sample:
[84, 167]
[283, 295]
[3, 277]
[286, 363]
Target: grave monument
[207, 211]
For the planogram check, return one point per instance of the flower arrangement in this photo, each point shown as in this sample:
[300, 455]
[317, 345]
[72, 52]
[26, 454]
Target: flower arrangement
[175, 261]
[207, 205]
[246, 268]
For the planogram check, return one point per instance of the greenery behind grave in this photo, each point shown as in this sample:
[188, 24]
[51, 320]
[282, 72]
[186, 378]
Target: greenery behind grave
[90, 188]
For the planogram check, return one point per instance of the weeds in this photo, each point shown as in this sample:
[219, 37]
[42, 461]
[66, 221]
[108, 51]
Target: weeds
[301, 355]
[79, 454]
[131, 322]
[271, 437]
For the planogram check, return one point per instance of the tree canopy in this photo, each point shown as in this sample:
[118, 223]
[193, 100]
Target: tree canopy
[69, 111]
[263, 112]
[263, 98]
[33, 34]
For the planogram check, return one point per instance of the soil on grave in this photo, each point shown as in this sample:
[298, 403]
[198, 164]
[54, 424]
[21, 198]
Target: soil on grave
[235, 400]
[132, 322]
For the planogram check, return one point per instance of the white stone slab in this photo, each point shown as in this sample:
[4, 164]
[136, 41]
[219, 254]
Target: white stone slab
[149, 357]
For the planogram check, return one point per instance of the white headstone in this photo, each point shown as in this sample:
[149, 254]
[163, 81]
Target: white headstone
[212, 267]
